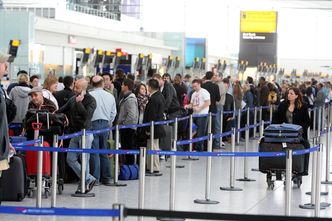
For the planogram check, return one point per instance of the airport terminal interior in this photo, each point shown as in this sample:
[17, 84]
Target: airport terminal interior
[219, 80]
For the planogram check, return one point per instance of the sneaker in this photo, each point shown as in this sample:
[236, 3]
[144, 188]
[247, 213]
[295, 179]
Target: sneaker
[90, 186]
[162, 157]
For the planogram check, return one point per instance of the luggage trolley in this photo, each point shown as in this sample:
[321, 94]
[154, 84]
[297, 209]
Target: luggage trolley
[32, 160]
[277, 138]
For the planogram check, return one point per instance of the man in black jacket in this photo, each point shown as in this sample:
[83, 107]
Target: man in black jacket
[213, 89]
[79, 110]
[154, 111]
[172, 105]
[64, 95]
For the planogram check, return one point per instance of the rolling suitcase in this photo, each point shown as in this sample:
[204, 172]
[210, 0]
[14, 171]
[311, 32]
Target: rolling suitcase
[283, 133]
[32, 162]
[14, 180]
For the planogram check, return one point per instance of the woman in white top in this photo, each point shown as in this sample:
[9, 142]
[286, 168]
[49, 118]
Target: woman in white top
[49, 87]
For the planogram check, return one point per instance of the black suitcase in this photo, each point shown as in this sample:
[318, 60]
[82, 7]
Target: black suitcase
[14, 180]
[267, 164]
[277, 165]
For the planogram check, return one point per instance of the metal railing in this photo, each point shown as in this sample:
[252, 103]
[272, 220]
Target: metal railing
[91, 11]
[38, 11]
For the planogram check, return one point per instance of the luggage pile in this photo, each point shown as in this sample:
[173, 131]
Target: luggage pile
[277, 138]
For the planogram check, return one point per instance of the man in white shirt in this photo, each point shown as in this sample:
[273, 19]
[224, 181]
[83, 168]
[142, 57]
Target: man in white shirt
[200, 102]
[103, 117]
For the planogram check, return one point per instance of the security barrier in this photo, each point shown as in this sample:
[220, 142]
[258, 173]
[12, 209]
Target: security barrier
[173, 153]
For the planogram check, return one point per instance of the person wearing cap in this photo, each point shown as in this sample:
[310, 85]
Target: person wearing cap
[5, 146]
[39, 102]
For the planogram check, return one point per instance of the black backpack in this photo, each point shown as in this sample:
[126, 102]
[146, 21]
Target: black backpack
[11, 108]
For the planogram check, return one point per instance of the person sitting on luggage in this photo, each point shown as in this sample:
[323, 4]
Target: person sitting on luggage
[79, 110]
[37, 103]
[293, 111]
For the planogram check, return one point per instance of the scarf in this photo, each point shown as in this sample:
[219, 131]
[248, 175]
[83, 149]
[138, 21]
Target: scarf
[142, 100]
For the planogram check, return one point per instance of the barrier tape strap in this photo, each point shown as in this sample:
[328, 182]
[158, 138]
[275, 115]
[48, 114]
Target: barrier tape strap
[170, 153]
[195, 140]
[58, 211]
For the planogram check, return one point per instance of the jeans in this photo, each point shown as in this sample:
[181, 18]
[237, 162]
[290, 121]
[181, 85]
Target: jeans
[216, 125]
[72, 158]
[100, 163]
[201, 123]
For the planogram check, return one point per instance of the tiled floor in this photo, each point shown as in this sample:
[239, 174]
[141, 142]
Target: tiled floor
[190, 185]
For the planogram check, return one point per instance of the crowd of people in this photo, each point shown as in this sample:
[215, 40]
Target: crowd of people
[104, 100]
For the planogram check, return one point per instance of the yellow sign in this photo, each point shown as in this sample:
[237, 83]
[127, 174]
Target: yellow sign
[100, 52]
[258, 21]
[15, 43]
[108, 53]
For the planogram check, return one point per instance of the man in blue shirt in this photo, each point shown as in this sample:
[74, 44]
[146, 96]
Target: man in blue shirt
[102, 118]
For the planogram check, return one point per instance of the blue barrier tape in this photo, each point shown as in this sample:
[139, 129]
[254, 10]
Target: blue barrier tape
[200, 115]
[100, 131]
[228, 112]
[254, 125]
[305, 151]
[267, 122]
[241, 129]
[30, 142]
[69, 136]
[225, 134]
[173, 153]
[75, 150]
[183, 118]
[195, 140]
[15, 126]
[58, 211]
[164, 122]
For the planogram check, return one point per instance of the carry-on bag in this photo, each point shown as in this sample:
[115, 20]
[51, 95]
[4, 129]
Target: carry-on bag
[14, 181]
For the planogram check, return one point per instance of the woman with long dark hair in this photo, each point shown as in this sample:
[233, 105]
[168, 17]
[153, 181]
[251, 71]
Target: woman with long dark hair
[293, 111]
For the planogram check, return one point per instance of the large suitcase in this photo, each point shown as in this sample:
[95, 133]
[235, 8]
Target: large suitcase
[14, 180]
[165, 143]
[287, 133]
[32, 162]
[267, 164]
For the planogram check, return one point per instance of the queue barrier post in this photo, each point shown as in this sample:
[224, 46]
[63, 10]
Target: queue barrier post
[191, 122]
[207, 199]
[40, 175]
[84, 162]
[141, 187]
[288, 198]
[232, 168]
[54, 172]
[116, 160]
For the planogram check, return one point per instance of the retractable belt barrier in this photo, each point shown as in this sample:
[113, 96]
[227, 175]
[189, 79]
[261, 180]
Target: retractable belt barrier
[168, 153]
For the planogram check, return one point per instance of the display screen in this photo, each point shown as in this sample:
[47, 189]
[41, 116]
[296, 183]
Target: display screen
[258, 37]
[195, 47]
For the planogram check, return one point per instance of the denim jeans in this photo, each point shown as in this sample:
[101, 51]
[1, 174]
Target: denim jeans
[72, 158]
[201, 123]
[216, 124]
[100, 163]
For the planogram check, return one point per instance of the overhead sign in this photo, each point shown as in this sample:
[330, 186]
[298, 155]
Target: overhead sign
[258, 21]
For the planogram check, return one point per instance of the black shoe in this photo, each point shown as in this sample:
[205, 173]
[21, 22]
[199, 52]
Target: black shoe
[90, 186]
[109, 183]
